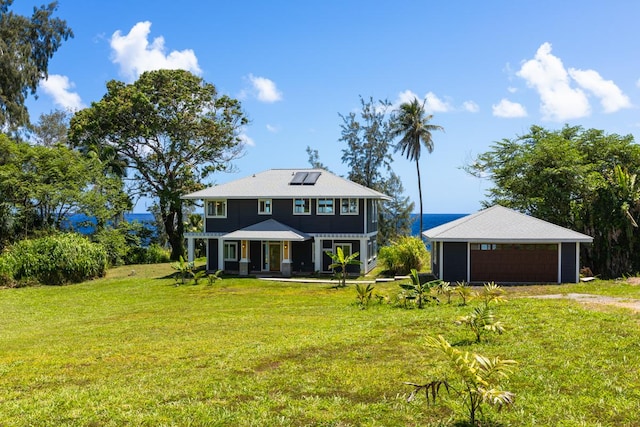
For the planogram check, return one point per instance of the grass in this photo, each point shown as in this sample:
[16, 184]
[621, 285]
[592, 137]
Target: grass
[137, 350]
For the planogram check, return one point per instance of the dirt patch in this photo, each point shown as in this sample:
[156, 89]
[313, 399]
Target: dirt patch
[633, 281]
[629, 303]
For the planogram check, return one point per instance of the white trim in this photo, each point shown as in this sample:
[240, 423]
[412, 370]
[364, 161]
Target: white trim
[270, 203]
[440, 261]
[221, 254]
[559, 280]
[206, 208]
[349, 199]
[224, 246]
[333, 206]
[577, 277]
[364, 258]
[317, 255]
[308, 199]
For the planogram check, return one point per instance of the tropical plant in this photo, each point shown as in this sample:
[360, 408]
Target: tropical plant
[481, 320]
[417, 291]
[492, 293]
[364, 292]
[403, 255]
[412, 126]
[464, 291]
[212, 278]
[473, 377]
[184, 270]
[341, 261]
[445, 288]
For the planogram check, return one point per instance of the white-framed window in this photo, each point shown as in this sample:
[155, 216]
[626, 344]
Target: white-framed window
[346, 248]
[301, 206]
[230, 251]
[264, 206]
[374, 211]
[217, 208]
[349, 206]
[325, 207]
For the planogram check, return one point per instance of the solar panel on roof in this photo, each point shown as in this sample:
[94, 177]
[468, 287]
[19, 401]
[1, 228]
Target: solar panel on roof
[298, 178]
[311, 178]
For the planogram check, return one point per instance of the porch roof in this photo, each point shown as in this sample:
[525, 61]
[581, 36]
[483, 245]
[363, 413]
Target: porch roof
[267, 230]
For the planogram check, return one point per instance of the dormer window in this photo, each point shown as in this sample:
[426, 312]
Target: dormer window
[217, 208]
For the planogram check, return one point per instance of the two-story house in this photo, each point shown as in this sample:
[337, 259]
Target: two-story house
[283, 221]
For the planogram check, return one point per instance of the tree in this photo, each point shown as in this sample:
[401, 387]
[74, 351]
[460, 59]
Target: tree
[26, 45]
[52, 128]
[314, 159]
[395, 217]
[367, 137]
[414, 130]
[341, 261]
[580, 179]
[173, 129]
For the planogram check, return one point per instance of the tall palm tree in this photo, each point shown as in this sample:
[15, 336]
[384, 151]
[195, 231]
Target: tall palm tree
[412, 125]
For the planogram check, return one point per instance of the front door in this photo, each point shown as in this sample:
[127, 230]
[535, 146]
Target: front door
[274, 256]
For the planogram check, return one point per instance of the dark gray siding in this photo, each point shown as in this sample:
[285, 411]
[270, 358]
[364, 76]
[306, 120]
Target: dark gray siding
[435, 258]
[212, 261]
[255, 256]
[568, 268]
[242, 213]
[301, 257]
[454, 262]
[327, 245]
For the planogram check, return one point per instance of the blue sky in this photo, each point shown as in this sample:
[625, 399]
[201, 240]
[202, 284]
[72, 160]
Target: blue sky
[486, 70]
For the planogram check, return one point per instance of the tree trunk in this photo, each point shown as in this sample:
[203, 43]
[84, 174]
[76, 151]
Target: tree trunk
[174, 227]
[420, 194]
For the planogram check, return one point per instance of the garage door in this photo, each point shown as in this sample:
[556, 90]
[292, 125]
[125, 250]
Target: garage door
[514, 263]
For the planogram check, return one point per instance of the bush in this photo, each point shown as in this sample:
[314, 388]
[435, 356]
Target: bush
[153, 254]
[57, 259]
[404, 255]
[6, 271]
[115, 244]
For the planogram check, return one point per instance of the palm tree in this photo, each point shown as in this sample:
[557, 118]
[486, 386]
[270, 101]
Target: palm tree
[412, 126]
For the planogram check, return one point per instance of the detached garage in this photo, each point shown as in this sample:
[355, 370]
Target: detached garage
[501, 245]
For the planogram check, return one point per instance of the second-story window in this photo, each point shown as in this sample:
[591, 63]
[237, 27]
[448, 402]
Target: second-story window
[301, 206]
[264, 206]
[349, 206]
[325, 207]
[217, 208]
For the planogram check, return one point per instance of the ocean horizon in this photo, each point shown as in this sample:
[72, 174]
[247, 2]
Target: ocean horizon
[82, 223]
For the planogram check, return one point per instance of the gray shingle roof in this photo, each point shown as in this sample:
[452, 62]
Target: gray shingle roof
[274, 183]
[268, 230]
[500, 224]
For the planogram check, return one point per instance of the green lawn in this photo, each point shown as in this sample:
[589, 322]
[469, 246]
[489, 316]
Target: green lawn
[137, 350]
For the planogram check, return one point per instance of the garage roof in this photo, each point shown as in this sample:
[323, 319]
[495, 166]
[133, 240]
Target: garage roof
[500, 224]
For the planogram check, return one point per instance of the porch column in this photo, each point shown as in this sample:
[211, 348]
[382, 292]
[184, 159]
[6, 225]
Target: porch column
[286, 259]
[244, 258]
[317, 244]
[364, 255]
[190, 249]
[221, 254]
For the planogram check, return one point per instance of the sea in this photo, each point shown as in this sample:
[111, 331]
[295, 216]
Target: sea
[84, 224]
[430, 220]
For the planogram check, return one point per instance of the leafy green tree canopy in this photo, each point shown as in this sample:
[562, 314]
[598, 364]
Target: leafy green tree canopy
[26, 45]
[173, 129]
[576, 178]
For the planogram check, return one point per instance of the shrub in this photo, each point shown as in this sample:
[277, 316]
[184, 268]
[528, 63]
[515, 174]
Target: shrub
[404, 255]
[58, 259]
[7, 267]
[115, 244]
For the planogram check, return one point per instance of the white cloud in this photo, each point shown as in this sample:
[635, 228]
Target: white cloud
[611, 97]
[272, 128]
[432, 104]
[508, 109]
[265, 89]
[470, 106]
[59, 88]
[546, 74]
[135, 55]
[512, 89]
[246, 140]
